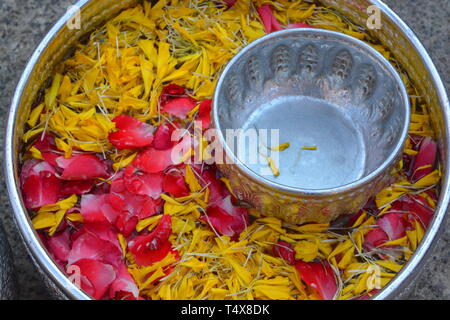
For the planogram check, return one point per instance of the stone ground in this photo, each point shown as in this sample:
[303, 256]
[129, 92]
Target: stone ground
[24, 23]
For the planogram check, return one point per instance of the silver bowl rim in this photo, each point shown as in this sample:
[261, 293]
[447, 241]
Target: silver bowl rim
[294, 33]
[42, 258]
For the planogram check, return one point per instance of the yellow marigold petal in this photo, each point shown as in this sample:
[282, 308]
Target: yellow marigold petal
[343, 246]
[398, 242]
[44, 220]
[306, 250]
[191, 180]
[75, 217]
[123, 243]
[144, 223]
[346, 258]
[389, 265]
[35, 153]
[194, 264]
[429, 180]
[59, 215]
[34, 115]
[280, 147]
[123, 162]
[272, 292]
[50, 96]
[30, 134]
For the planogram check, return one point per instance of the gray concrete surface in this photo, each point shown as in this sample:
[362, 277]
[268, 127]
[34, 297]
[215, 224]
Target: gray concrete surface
[23, 23]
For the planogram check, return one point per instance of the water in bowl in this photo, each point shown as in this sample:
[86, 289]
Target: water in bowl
[339, 157]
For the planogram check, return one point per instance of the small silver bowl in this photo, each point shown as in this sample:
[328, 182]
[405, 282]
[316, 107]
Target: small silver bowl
[339, 104]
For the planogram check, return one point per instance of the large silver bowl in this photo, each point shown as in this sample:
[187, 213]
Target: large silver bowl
[310, 87]
[395, 34]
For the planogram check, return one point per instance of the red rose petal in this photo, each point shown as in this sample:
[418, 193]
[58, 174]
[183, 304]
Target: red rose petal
[425, 157]
[77, 187]
[126, 223]
[217, 189]
[153, 161]
[103, 232]
[319, 276]
[204, 113]
[227, 219]
[170, 92]
[393, 224]
[27, 170]
[148, 184]
[123, 287]
[50, 157]
[141, 206]
[89, 246]
[230, 3]
[163, 137]
[100, 208]
[375, 238]
[82, 167]
[148, 207]
[285, 251]
[175, 185]
[149, 256]
[59, 245]
[40, 186]
[35, 167]
[100, 276]
[179, 107]
[417, 208]
[154, 246]
[45, 143]
[132, 133]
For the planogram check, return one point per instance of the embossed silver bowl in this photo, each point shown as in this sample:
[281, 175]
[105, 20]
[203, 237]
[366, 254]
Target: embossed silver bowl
[340, 105]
